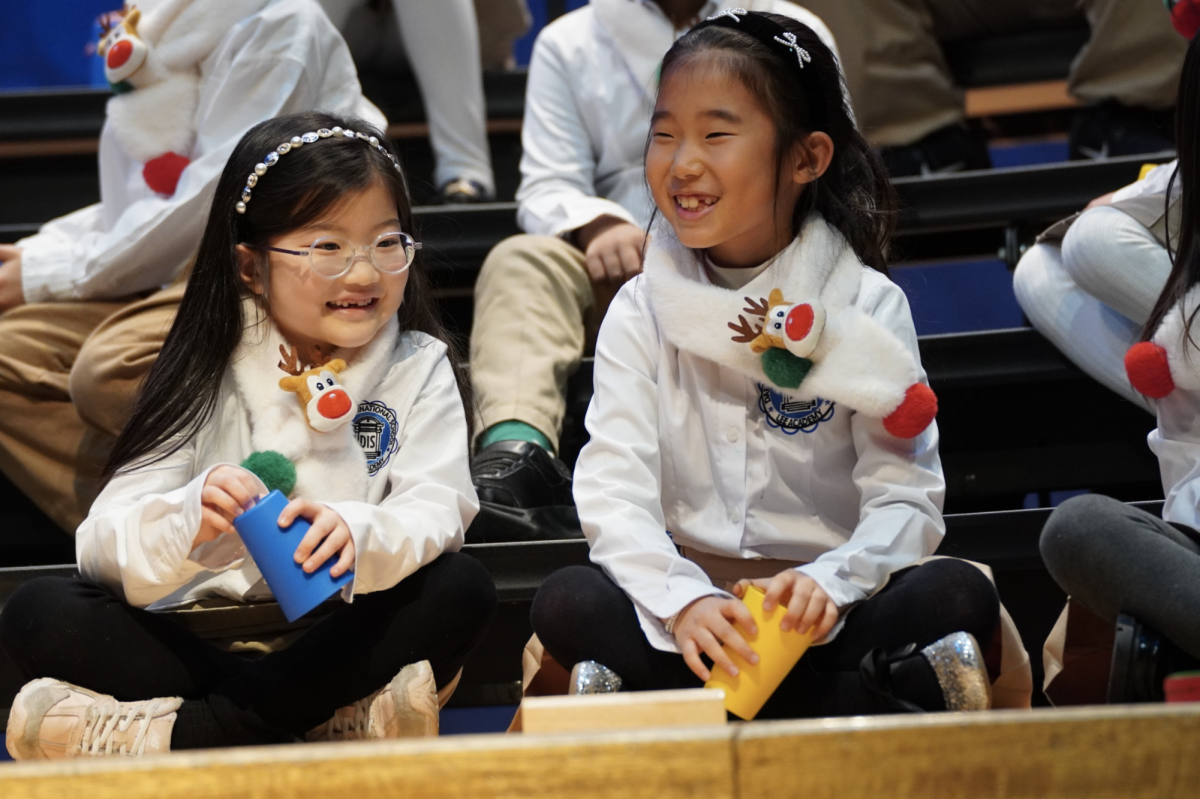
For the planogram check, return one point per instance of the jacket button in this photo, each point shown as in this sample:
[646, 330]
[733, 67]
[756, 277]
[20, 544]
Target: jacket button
[732, 435]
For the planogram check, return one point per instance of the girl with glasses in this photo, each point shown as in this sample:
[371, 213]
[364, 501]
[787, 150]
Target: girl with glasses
[308, 253]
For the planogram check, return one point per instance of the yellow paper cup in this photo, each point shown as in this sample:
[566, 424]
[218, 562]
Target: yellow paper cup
[778, 653]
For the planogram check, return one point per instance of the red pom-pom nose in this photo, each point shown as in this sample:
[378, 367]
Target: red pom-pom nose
[162, 174]
[119, 53]
[799, 322]
[334, 405]
[1149, 369]
[914, 414]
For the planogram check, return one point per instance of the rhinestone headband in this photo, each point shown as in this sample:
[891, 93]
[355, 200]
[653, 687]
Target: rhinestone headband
[781, 42]
[297, 142]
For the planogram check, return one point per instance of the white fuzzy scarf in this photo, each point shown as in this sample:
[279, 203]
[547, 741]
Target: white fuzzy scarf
[159, 115]
[330, 465]
[858, 362]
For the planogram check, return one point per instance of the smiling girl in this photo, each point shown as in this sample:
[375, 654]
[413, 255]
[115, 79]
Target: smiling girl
[803, 461]
[308, 251]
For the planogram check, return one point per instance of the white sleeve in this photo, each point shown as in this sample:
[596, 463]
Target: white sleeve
[901, 485]
[431, 500]
[263, 76]
[138, 537]
[618, 478]
[1155, 182]
[558, 160]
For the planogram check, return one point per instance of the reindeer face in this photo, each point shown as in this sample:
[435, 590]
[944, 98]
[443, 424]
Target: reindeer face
[328, 406]
[123, 50]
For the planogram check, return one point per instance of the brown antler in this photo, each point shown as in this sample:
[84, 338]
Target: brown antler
[746, 331]
[759, 308]
[291, 361]
[314, 358]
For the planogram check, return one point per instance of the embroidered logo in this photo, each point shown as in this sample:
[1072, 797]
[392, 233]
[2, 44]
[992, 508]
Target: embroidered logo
[793, 415]
[375, 429]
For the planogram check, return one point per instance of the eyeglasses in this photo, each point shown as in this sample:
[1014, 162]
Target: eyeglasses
[332, 256]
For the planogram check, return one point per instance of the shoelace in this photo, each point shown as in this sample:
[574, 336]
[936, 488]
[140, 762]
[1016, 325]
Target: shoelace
[343, 725]
[109, 717]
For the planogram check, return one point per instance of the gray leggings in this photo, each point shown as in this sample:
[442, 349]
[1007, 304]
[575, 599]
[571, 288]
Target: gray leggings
[1118, 559]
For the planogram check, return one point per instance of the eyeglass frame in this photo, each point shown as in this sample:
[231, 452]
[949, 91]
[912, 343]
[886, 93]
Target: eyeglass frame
[353, 256]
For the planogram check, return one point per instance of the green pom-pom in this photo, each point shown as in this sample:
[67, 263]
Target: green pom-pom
[276, 471]
[784, 369]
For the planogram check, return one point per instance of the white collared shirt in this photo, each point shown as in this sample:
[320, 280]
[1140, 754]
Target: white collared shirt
[285, 59]
[588, 102]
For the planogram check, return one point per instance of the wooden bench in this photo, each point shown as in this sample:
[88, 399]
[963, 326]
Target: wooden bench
[1120, 751]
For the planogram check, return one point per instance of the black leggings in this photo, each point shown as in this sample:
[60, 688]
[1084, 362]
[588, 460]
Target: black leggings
[1115, 558]
[81, 633]
[580, 614]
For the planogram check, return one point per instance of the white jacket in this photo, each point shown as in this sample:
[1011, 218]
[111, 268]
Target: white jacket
[688, 451]
[412, 429]
[592, 79]
[284, 59]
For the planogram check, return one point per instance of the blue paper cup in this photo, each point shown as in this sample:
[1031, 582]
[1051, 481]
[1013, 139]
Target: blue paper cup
[273, 549]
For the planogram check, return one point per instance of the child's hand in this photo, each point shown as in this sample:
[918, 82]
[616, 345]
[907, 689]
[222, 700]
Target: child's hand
[613, 248]
[702, 627]
[328, 529]
[809, 608]
[228, 492]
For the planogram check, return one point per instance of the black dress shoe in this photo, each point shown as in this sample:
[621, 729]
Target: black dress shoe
[1141, 660]
[465, 192]
[1110, 129]
[520, 474]
[954, 148]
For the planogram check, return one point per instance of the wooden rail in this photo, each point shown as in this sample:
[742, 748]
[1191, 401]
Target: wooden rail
[1121, 751]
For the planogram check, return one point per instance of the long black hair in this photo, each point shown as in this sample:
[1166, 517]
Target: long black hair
[181, 391]
[1185, 258]
[854, 195]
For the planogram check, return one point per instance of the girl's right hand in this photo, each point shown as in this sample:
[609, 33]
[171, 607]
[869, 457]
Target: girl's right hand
[229, 491]
[707, 623]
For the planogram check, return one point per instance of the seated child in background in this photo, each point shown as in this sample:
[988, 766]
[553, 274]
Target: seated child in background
[308, 244]
[1116, 559]
[1090, 283]
[710, 469]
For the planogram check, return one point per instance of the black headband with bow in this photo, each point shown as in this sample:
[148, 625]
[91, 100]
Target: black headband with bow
[783, 44]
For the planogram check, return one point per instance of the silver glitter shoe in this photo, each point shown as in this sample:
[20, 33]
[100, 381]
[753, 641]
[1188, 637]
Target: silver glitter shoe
[958, 662]
[590, 677]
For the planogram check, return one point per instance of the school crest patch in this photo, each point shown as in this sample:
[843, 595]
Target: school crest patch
[793, 415]
[375, 429]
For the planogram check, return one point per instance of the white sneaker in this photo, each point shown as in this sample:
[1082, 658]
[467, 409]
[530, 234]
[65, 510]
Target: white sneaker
[407, 707]
[52, 720]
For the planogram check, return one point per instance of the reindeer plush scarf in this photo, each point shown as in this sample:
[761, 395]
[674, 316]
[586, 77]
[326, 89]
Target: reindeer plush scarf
[301, 404]
[152, 61]
[795, 327]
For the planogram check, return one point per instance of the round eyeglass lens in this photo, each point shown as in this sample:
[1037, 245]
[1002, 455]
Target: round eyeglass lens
[394, 252]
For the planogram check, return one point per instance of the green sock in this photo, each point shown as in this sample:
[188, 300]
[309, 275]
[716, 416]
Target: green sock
[512, 430]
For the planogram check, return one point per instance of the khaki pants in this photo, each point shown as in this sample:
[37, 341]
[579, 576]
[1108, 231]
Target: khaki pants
[903, 90]
[535, 313]
[95, 353]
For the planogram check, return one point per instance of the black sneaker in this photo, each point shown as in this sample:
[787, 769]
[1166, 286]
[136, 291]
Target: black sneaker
[954, 148]
[464, 192]
[1141, 660]
[1109, 129]
[951, 672]
[520, 474]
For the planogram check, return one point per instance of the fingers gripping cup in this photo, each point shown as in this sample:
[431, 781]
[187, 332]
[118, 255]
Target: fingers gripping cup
[778, 653]
[273, 549]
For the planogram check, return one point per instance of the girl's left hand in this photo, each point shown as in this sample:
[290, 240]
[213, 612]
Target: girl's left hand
[328, 530]
[809, 608]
